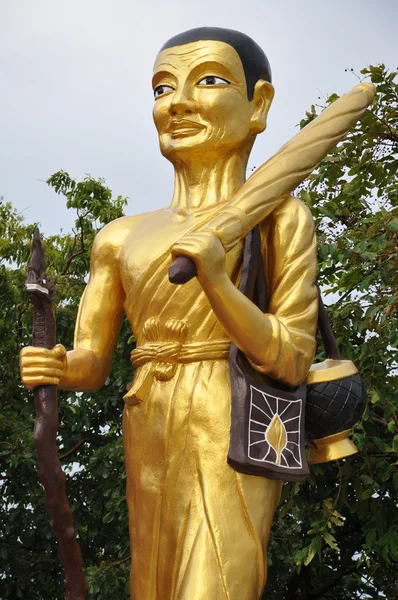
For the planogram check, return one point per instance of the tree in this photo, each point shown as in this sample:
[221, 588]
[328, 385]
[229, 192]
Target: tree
[339, 530]
[90, 440]
[335, 536]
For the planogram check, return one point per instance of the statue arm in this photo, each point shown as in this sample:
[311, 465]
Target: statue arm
[290, 261]
[280, 343]
[99, 317]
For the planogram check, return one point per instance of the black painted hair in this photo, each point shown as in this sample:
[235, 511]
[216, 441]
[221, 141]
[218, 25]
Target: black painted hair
[255, 63]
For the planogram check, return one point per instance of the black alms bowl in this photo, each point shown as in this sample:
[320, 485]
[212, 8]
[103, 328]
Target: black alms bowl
[334, 406]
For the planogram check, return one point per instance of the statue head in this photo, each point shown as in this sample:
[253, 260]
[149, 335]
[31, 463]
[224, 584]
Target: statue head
[212, 91]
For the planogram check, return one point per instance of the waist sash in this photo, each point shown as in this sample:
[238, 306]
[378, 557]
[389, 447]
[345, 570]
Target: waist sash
[163, 349]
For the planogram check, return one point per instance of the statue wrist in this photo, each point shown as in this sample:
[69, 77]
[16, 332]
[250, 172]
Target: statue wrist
[230, 226]
[214, 281]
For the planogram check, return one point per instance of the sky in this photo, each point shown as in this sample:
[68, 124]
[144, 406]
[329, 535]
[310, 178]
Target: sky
[75, 84]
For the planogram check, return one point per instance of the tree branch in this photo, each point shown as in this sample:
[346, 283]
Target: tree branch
[114, 564]
[74, 254]
[96, 440]
[75, 447]
[320, 591]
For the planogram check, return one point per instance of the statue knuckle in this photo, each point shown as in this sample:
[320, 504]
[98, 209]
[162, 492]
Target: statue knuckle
[59, 351]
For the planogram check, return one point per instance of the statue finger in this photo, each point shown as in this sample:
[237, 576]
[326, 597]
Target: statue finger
[31, 372]
[41, 362]
[185, 249]
[34, 351]
[32, 382]
[187, 245]
[59, 351]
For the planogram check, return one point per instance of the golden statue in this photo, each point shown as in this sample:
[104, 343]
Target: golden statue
[199, 529]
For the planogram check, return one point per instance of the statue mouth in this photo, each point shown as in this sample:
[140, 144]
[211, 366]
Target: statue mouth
[183, 128]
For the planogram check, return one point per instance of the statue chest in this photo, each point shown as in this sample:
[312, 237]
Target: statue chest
[144, 263]
[149, 246]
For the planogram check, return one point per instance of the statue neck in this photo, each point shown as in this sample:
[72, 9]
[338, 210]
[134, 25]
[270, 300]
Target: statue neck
[198, 186]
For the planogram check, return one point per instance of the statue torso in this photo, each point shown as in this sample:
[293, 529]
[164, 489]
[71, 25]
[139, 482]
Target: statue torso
[144, 261]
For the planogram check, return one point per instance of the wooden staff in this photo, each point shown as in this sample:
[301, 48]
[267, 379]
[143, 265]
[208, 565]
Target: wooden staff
[275, 179]
[41, 294]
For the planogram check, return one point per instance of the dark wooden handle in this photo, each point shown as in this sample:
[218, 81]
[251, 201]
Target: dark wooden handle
[41, 293]
[52, 478]
[182, 270]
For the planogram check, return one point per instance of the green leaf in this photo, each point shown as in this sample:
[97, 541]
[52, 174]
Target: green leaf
[369, 255]
[310, 555]
[331, 541]
[108, 517]
[393, 225]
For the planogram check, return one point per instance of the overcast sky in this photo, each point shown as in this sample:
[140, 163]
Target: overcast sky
[75, 83]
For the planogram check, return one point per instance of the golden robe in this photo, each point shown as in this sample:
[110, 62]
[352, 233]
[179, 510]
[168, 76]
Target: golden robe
[199, 530]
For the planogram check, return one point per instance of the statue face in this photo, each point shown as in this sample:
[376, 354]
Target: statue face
[201, 106]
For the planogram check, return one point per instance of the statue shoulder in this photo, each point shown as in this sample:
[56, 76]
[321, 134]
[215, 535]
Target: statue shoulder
[294, 208]
[293, 214]
[111, 239]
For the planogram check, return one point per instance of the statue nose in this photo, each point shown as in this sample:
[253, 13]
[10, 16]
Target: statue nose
[182, 103]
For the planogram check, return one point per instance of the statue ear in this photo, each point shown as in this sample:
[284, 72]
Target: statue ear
[262, 100]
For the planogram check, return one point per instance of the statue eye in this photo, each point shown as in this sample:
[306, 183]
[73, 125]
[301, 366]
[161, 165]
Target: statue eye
[162, 89]
[212, 80]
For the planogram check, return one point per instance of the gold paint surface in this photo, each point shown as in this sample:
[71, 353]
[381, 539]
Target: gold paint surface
[199, 530]
[276, 436]
[330, 370]
[332, 447]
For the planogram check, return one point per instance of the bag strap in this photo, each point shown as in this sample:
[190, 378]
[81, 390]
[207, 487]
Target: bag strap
[253, 285]
[325, 329]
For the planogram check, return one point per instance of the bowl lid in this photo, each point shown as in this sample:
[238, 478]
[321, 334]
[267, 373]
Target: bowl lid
[330, 370]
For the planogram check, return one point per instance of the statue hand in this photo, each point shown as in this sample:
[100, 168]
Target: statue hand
[207, 252]
[40, 366]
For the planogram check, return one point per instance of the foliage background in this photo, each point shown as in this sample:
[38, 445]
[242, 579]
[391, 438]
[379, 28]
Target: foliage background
[336, 535]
